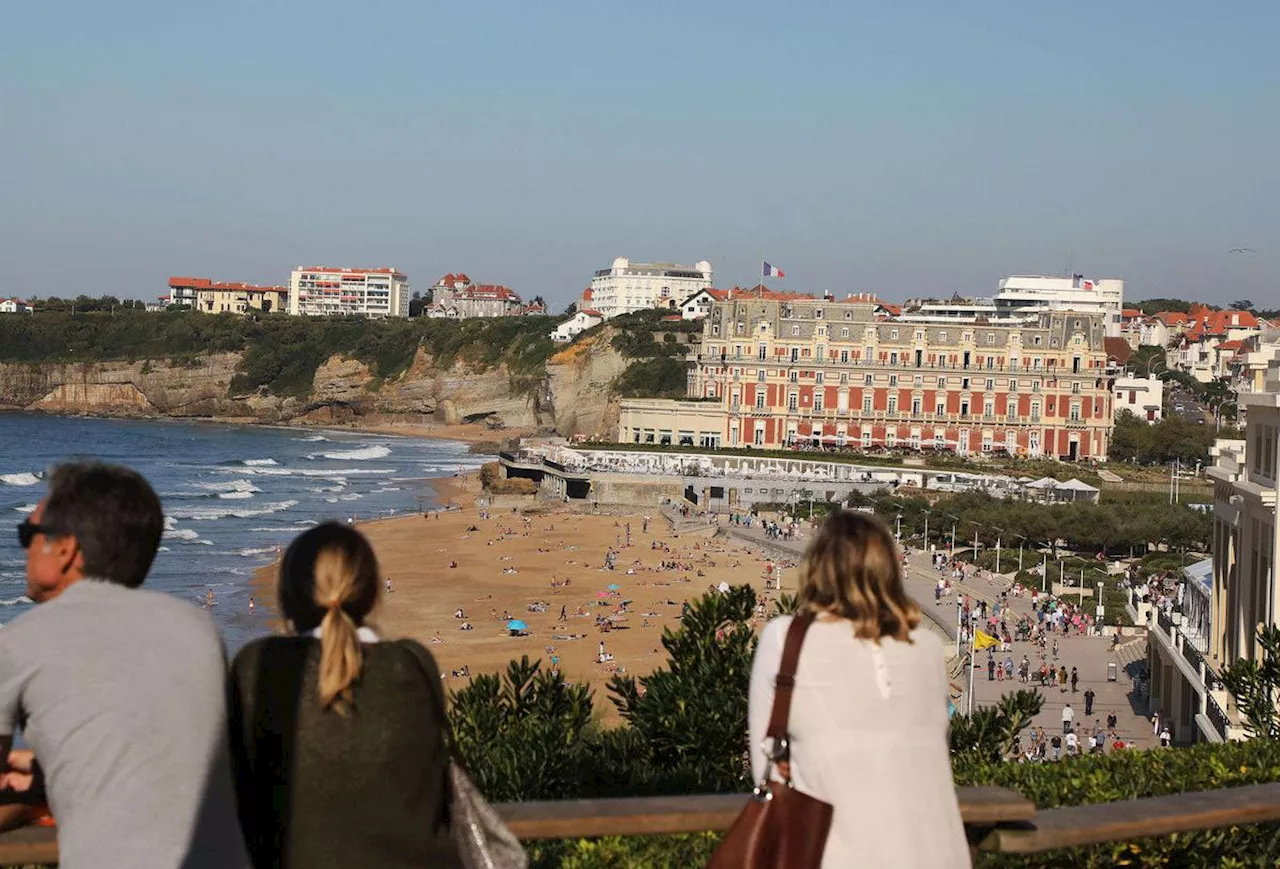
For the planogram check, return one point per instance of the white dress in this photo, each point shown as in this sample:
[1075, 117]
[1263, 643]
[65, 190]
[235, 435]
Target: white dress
[869, 735]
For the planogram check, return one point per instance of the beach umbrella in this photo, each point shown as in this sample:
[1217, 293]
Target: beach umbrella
[613, 586]
[517, 625]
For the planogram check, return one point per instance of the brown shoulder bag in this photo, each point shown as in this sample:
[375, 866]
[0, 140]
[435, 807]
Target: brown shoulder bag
[780, 826]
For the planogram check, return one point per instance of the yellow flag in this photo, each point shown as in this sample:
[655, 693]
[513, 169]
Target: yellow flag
[983, 640]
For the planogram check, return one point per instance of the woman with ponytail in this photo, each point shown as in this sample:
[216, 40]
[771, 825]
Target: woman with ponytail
[338, 735]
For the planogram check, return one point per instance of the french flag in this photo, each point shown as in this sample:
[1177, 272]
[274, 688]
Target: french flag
[773, 271]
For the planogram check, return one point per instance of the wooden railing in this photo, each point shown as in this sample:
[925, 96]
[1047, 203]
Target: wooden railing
[996, 819]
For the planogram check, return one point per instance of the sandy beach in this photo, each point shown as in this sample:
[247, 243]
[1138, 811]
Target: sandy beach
[533, 568]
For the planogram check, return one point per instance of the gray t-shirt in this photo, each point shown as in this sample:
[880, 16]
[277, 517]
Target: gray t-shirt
[121, 694]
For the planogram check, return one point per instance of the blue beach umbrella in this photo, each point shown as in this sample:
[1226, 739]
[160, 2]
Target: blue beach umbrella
[517, 625]
[613, 586]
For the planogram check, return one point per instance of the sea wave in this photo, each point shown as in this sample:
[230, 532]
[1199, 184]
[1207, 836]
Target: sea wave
[234, 496]
[229, 486]
[24, 479]
[26, 508]
[212, 513]
[360, 455]
[256, 463]
[181, 534]
[254, 553]
[314, 439]
[320, 490]
[14, 601]
[352, 497]
[330, 474]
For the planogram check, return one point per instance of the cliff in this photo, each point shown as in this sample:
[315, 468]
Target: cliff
[572, 396]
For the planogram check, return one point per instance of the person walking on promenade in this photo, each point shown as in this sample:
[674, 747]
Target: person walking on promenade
[1062, 678]
[339, 737]
[1088, 701]
[119, 691]
[868, 721]
[1075, 680]
[1068, 715]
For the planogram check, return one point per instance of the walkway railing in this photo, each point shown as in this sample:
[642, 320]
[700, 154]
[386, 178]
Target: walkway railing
[996, 819]
[1216, 715]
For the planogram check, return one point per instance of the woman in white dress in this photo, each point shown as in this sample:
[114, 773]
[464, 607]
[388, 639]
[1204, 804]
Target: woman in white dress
[868, 726]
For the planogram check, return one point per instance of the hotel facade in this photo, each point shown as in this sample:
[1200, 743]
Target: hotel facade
[774, 374]
[628, 286]
[317, 291]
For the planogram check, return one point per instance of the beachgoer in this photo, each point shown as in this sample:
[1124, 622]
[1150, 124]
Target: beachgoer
[314, 713]
[1068, 715]
[251, 604]
[388, 585]
[852, 558]
[1075, 680]
[119, 691]
[1088, 701]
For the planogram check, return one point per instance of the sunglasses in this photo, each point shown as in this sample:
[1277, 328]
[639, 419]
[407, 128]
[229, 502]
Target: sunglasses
[28, 530]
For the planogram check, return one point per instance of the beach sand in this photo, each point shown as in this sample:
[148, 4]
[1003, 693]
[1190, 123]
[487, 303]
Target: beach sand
[537, 550]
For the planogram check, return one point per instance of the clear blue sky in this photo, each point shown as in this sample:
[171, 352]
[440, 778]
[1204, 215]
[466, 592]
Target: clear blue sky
[903, 148]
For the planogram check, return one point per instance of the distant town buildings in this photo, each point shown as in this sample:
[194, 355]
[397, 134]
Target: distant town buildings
[821, 373]
[1208, 345]
[456, 297]
[375, 293]
[628, 286]
[14, 306]
[580, 322]
[216, 297]
[697, 306]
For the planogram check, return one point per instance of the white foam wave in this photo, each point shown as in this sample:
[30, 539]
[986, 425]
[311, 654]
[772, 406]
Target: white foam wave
[26, 508]
[234, 496]
[314, 439]
[363, 454]
[387, 489]
[254, 553]
[257, 463]
[24, 479]
[163, 549]
[210, 513]
[320, 490]
[13, 601]
[332, 474]
[352, 497]
[229, 486]
[181, 534]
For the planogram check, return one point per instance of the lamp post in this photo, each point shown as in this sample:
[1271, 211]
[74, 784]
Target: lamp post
[999, 537]
[926, 529]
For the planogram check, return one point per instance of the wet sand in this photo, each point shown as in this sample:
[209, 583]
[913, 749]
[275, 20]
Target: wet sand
[511, 561]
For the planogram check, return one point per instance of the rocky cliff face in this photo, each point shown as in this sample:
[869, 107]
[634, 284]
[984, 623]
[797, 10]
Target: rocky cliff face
[573, 397]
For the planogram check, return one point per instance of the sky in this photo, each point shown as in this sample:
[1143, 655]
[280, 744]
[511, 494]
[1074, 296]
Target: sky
[906, 148]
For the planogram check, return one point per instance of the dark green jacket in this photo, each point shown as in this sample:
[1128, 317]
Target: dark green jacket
[320, 790]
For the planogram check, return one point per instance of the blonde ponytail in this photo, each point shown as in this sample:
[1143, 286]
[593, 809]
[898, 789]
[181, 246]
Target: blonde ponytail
[340, 653]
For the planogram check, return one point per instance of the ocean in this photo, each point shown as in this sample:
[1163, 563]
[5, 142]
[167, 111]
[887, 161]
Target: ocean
[231, 493]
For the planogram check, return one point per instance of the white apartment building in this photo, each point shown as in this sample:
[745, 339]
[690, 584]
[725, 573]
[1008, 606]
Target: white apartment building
[1076, 293]
[1141, 396]
[14, 306]
[628, 286]
[580, 322]
[320, 291]
[1022, 298]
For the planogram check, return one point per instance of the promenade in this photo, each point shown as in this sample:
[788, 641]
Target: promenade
[1090, 655]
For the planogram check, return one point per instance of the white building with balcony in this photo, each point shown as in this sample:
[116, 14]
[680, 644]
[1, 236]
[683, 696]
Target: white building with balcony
[374, 293]
[628, 286]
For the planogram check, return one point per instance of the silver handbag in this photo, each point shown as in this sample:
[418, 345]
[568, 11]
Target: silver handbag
[482, 839]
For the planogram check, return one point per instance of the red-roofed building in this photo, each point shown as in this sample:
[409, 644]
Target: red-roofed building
[457, 297]
[1211, 340]
[14, 306]
[322, 291]
[225, 297]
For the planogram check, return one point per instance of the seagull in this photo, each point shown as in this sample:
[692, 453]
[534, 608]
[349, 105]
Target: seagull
[1242, 250]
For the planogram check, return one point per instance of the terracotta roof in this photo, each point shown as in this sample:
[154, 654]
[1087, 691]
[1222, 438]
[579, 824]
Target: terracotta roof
[591, 312]
[587, 294]
[1230, 345]
[1117, 349]
[1131, 313]
[895, 310]
[760, 291]
[1172, 318]
[452, 281]
[184, 283]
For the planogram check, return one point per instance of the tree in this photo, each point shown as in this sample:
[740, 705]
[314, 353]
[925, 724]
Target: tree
[1256, 685]
[416, 304]
[988, 734]
[1242, 305]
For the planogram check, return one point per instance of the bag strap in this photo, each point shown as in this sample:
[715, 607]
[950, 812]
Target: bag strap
[785, 683]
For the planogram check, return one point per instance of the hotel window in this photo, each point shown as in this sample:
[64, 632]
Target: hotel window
[989, 408]
[918, 380]
[844, 355]
[1075, 389]
[759, 438]
[795, 330]
[968, 336]
[893, 358]
[1013, 384]
[867, 354]
[915, 407]
[1075, 412]
[893, 380]
[942, 383]
[763, 352]
[893, 334]
[991, 337]
[844, 377]
[891, 438]
[866, 440]
[940, 408]
[867, 379]
[844, 331]
[1036, 340]
[793, 402]
[919, 336]
[792, 376]
[866, 404]
[942, 336]
[760, 375]
[964, 383]
[715, 329]
[822, 330]
[817, 378]
[759, 399]
[893, 404]
[818, 314]
[820, 352]
[817, 400]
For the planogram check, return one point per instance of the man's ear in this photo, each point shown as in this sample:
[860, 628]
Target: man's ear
[70, 556]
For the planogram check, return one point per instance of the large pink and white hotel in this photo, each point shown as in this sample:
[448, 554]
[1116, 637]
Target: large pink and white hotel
[320, 291]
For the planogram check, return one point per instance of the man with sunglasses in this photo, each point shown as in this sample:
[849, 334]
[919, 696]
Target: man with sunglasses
[118, 691]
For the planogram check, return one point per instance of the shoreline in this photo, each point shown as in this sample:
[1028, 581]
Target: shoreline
[468, 433]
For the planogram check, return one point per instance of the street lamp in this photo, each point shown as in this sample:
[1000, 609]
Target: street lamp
[1217, 413]
[998, 540]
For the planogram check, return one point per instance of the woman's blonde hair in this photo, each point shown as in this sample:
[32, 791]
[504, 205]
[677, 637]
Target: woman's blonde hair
[329, 579]
[852, 569]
